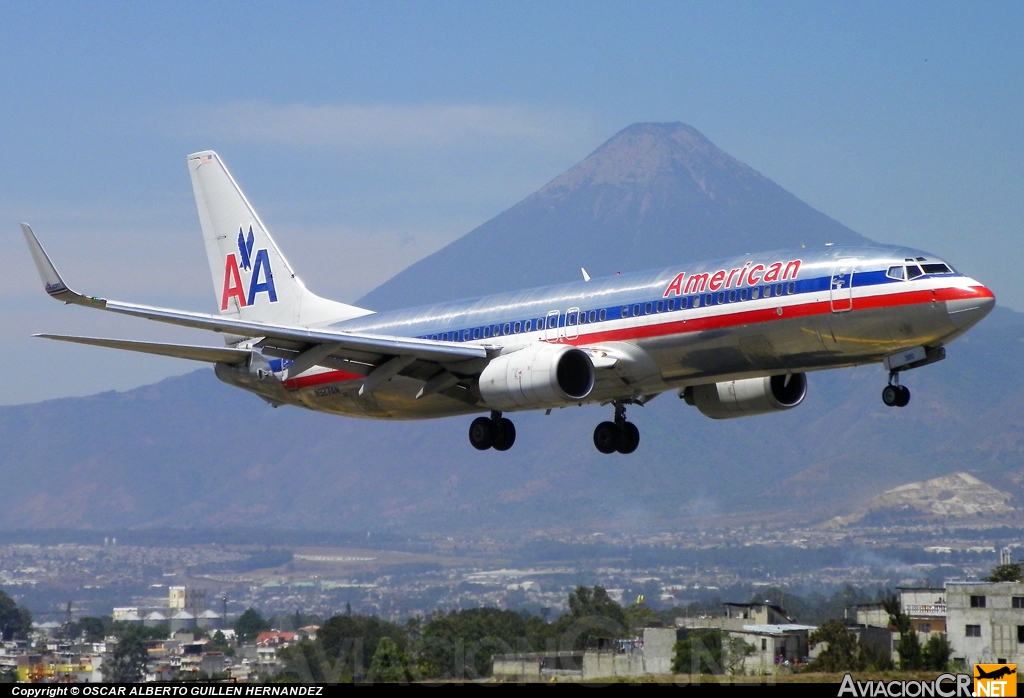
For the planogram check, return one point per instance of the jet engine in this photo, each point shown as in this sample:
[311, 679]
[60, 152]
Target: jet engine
[747, 397]
[541, 375]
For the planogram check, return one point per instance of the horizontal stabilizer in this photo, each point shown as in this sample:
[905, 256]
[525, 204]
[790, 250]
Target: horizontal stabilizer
[213, 355]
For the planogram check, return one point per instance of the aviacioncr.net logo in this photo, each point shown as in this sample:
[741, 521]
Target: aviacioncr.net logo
[945, 686]
[995, 679]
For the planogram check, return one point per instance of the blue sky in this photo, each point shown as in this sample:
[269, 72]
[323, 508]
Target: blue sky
[371, 134]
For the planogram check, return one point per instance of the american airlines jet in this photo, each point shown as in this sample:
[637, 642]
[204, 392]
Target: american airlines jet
[732, 337]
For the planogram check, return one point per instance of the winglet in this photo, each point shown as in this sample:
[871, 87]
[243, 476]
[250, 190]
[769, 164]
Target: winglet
[54, 285]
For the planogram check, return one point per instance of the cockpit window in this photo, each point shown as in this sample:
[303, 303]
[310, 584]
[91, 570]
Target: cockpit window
[936, 269]
[913, 271]
[895, 273]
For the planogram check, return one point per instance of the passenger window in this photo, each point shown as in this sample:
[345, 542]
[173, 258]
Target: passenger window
[647, 309]
[661, 306]
[682, 303]
[625, 311]
[707, 299]
[732, 296]
[570, 319]
[527, 325]
[778, 290]
[767, 291]
[754, 293]
[743, 295]
[792, 287]
[721, 298]
[465, 335]
[603, 314]
[670, 304]
[895, 273]
[636, 310]
[507, 328]
[696, 301]
[518, 327]
[476, 333]
[913, 271]
[592, 316]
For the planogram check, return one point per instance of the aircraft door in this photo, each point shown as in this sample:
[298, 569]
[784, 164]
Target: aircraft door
[841, 291]
[572, 323]
[551, 325]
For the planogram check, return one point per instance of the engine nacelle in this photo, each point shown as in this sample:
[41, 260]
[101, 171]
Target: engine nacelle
[541, 375]
[747, 397]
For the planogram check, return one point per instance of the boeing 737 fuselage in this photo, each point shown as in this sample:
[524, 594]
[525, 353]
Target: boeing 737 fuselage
[733, 337]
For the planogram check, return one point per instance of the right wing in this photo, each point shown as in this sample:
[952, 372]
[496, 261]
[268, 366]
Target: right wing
[379, 357]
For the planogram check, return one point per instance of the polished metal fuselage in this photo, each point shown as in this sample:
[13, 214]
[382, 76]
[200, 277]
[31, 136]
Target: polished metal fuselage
[837, 308]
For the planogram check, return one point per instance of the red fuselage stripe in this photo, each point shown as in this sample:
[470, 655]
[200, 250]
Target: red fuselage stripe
[714, 322]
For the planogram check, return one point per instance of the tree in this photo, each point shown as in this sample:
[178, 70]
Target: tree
[909, 647]
[593, 619]
[461, 644]
[1006, 573]
[700, 652]
[937, 652]
[127, 663]
[734, 651]
[91, 628]
[342, 651]
[843, 652]
[388, 665]
[249, 625]
[15, 620]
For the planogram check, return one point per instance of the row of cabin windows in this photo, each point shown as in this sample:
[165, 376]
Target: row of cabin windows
[584, 317]
[518, 327]
[721, 298]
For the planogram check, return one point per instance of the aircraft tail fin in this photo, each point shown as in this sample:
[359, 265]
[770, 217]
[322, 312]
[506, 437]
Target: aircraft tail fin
[251, 278]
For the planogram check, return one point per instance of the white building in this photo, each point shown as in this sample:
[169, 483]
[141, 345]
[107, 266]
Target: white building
[985, 621]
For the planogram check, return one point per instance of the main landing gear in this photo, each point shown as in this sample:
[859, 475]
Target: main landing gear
[620, 435]
[894, 394]
[494, 432]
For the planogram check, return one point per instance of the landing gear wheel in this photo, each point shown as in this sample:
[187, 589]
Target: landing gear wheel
[629, 438]
[481, 433]
[505, 436]
[606, 437]
[891, 395]
[904, 398]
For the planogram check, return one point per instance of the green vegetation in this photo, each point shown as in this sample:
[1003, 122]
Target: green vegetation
[1006, 573]
[389, 664]
[15, 620]
[127, 663]
[249, 625]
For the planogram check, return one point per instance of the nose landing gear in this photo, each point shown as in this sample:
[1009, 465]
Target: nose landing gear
[495, 432]
[894, 394]
[620, 435]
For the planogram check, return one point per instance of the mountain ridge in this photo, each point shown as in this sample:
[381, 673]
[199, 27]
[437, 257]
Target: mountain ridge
[651, 195]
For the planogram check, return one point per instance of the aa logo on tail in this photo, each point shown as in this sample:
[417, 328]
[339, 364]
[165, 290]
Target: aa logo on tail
[259, 277]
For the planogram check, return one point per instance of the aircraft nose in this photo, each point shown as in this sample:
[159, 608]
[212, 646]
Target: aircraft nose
[967, 312]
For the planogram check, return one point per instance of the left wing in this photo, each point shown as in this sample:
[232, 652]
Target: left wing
[379, 357]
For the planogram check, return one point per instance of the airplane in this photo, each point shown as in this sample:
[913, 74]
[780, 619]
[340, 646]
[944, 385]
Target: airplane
[732, 338]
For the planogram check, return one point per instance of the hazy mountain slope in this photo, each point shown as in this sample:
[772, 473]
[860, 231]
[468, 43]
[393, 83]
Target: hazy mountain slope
[653, 195]
[191, 451]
